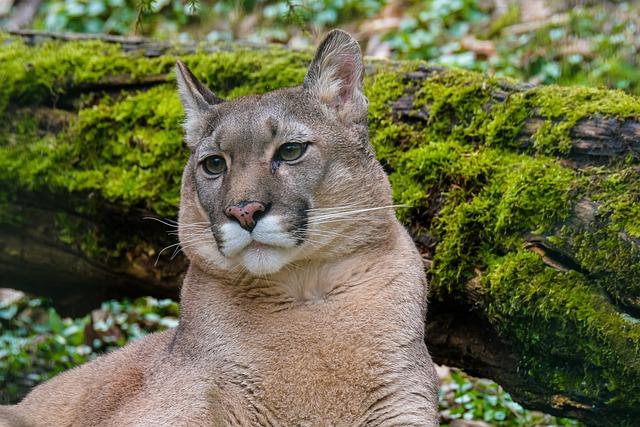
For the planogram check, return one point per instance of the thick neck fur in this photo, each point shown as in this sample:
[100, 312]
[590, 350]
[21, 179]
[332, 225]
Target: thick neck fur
[347, 325]
[212, 296]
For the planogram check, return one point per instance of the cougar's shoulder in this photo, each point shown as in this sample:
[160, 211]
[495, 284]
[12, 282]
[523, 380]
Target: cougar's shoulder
[93, 392]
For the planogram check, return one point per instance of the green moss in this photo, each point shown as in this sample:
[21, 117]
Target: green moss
[466, 107]
[242, 72]
[388, 136]
[493, 190]
[455, 99]
[492, 198]
[619, 197]
[563, 107]
[520, 197]
[31, 75]
[382, 88]
[506, 121]
[129, 147]
[579, 324]
[611, 259]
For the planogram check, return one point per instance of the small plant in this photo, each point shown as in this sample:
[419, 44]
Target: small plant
[123, 17]
[468, 398]
[36, 343]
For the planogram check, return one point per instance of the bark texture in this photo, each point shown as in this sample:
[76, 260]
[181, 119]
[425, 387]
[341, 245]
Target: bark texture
[525, 201]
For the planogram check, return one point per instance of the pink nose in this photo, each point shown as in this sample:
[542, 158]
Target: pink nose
[245, 213]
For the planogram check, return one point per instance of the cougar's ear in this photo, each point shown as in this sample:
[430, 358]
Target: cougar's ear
[335, 76]
[195, 97]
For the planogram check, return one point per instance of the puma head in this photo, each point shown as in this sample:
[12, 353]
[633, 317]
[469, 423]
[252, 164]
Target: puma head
[282, 177]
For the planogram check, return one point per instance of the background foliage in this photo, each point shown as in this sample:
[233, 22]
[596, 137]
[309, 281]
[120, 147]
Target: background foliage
[36, 343]
[566, 42]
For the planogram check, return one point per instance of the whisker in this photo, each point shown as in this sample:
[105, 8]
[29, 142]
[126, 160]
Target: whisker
[353, 212]
[175, 224]
[193, 239]
[189, 226]
[177, 244]
[330, 234]
[165, 221]
[333, 233]
[182, 248]
[329, 221]
[198, 229]
[333, 208]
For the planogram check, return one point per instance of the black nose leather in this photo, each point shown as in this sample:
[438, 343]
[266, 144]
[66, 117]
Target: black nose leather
[246, 213]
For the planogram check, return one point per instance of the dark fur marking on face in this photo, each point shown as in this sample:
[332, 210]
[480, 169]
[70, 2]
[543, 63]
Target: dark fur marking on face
[212, 120]
[217, 235]
[272, 124]
[300, 226]
[275, 165]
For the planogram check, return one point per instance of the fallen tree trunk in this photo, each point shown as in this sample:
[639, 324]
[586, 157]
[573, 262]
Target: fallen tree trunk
[524, 201]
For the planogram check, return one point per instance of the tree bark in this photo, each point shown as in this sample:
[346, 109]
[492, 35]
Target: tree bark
[525, 201]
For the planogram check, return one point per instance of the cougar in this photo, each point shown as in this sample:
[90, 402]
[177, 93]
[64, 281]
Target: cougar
[305, 298]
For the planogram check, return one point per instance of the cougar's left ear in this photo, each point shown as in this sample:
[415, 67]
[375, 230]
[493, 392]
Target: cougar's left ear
[195, 97]
[335, 76]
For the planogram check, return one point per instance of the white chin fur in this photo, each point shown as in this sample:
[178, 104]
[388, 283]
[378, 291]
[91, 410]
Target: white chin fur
[263, 260]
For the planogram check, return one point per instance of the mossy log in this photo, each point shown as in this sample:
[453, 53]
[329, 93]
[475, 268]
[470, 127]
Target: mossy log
[525, 201]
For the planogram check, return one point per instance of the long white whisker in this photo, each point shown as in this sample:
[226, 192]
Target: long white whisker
[353, 212]
[333, 233]
[182, 248]
[361, 208]
[329, 221]
[334, 208]
[194, 238]
[169, 222]
[198, 229]
[173, 223]
[189, 226]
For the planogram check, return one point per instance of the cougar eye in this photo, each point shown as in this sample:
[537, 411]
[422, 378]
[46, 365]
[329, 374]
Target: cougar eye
[290, 151]
[214, 165]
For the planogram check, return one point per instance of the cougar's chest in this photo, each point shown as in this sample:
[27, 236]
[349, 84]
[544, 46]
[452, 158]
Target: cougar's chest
[314, 364]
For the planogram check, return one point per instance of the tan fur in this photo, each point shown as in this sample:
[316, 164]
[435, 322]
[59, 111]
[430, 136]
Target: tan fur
[333, 336]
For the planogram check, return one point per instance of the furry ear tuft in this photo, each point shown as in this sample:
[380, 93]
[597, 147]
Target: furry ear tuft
[336, 74]
[195, 97]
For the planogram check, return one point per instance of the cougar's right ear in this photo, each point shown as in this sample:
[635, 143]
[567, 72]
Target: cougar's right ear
[195, 97]
[335, 76]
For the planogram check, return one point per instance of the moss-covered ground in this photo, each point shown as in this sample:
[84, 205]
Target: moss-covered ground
[475, 190]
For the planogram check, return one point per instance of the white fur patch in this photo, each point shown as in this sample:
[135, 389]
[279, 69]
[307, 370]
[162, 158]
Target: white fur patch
[274, 249]
[265, 260]
[234, 239]
[269, 231]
